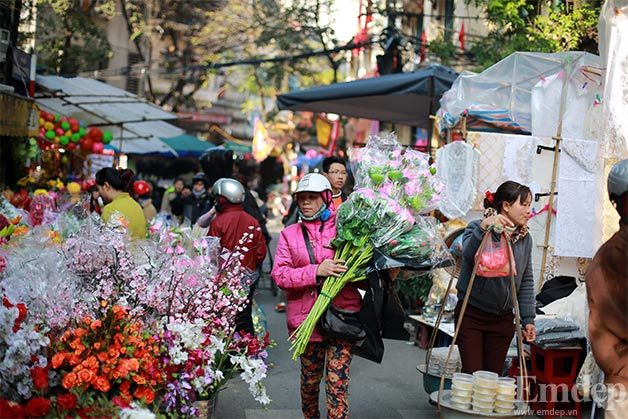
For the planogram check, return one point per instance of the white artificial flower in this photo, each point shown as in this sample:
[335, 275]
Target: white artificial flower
[136, 412]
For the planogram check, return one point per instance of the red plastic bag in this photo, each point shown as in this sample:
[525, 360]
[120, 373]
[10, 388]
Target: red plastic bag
[496, 258]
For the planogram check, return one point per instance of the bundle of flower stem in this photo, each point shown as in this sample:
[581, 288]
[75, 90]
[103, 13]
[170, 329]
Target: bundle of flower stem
[356, 257]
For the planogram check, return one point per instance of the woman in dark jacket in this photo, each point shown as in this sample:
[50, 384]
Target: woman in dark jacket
[488, 324]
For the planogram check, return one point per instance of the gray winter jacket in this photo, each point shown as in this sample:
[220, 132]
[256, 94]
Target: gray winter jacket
[492, 295]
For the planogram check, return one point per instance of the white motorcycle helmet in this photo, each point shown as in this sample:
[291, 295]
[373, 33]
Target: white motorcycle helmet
[313, 182]
[317, 183]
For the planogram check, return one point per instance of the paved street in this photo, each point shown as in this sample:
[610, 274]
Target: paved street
[391, 390]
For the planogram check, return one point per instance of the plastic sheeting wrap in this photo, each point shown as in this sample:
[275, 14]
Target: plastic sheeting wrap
[501, 94]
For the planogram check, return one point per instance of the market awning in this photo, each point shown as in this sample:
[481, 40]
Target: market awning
[137, 126]
[407, 98]
[18, 115]
[241, 147]
[188, 145]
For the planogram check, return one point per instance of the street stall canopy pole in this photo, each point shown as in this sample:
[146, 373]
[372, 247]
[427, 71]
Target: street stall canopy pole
[406, 98]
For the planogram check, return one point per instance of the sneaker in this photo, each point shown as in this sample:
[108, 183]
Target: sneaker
[280, 308]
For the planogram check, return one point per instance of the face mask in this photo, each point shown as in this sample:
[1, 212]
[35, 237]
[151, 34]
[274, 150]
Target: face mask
[323, 214]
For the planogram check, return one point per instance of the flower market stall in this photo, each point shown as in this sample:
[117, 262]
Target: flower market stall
[98, 325]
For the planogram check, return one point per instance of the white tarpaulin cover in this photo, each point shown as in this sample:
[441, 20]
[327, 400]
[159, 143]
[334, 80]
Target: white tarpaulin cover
[136, 126]
[502, 92]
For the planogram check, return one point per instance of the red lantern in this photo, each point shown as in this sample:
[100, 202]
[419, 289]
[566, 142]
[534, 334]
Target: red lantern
[97, 148]
[95, 134]
[87, 144]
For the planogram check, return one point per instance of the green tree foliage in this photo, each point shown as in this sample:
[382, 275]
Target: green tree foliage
[71, 38]
[525, 25]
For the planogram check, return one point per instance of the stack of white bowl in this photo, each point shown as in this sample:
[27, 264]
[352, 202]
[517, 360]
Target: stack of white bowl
[484, 391]
[505, 397]
[462, 390]
[437, 365]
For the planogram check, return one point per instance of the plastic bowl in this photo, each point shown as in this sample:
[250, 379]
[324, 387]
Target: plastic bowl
[504, 411]
[483, 409]
[464, 406]
[506, 381]
[485, 379]
[505, 405]
[461, 392]
[482, 398]
[510, 398]
[461, 400]
[485, 391]
[462, 381]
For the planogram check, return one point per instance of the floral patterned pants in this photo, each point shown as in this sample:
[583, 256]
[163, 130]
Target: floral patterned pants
[334, 356]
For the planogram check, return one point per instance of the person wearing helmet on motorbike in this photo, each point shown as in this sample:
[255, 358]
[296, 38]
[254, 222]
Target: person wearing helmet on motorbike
[300, 271]
[607, 294]
[230, 224]
[142, 191]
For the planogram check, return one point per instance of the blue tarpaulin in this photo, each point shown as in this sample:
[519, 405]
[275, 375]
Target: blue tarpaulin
[187, 145]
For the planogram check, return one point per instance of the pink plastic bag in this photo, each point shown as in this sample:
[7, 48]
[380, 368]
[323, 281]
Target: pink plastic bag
[496, 258]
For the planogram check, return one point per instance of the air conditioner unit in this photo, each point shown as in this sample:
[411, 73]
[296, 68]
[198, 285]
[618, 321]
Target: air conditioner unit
[4, 44]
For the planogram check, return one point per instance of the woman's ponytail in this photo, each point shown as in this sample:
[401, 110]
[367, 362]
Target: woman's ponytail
[119, 179]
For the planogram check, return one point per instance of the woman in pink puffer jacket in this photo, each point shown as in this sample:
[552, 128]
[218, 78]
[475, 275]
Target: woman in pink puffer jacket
[294, 272]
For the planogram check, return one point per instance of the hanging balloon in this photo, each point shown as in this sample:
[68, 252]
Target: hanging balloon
[95, 134]
[65, 125]
[50, 134]
[97, 148]
[74, 126]
[76, 137]
[107, 136]
[64, 140]
[82, 131]
[87, 145]
[42, 132]
[73, 121]
[57, 117]
[56, 140]
[49, 126]
[49, 117]
[59, 132]
[71, 147]
[42, 121]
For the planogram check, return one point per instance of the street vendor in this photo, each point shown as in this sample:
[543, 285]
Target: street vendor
[114, 186]
[299, 271]
[488, 322]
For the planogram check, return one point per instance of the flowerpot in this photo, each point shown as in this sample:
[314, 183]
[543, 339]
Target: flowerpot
[207, 408]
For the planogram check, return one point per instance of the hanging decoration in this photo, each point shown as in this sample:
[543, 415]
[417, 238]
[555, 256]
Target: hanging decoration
[56, 131]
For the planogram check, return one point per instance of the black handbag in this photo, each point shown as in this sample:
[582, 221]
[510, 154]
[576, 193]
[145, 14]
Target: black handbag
[336, 323]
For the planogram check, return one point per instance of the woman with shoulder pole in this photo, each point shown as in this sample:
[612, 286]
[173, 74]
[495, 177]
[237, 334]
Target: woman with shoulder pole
[304, 258]
[487, 326]
[114, 186]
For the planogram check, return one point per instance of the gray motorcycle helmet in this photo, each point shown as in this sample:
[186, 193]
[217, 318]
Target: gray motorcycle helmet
[231, 189]
[618, 180]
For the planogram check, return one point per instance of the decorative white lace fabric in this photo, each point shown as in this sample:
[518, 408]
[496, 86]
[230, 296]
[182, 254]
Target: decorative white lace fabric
[457, 165]
[615, 107]
[578, 221]
[491, 174]
[518, 159]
